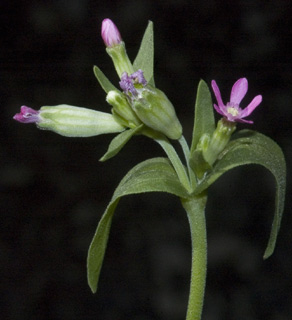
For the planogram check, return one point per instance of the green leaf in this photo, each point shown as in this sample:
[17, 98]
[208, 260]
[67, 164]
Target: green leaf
[250, 147]
[204, 116]
[145, 56]
[103, 80]
[118, 142]
[153, 175]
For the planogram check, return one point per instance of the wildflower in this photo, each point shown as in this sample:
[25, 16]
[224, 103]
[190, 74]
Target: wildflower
[232, 111]
[110, 33]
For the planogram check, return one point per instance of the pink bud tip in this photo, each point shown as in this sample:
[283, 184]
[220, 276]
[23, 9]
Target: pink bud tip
[110, 33]
[27, 115]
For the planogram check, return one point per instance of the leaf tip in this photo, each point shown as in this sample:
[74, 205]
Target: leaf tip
[268, 253]
[150, 23]
[93, 289]
[92, 286]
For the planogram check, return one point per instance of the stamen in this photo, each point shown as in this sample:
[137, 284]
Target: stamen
[234, 112]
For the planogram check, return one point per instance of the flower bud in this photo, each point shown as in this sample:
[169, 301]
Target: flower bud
[197, 161]
[115, 47]
[122, 108]
[219, 140]
[157, 112]
[110, 33]
[71, 121]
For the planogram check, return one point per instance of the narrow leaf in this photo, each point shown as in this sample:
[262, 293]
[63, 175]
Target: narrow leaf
[154, 175]
[103, 80]
[204, 116]
[145, 56]
[118, 143]
[250, 147]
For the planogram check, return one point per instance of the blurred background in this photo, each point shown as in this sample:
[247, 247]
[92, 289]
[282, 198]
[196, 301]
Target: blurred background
[54, 190]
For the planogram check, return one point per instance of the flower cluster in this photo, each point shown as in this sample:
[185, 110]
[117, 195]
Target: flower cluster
[138, 103]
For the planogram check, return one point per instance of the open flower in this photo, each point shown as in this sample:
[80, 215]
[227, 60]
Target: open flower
[231, 111]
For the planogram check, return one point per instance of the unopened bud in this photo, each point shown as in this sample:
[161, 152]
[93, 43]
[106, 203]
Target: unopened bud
[219, 140]
[115, 47]
[122, 108]
[110, 33]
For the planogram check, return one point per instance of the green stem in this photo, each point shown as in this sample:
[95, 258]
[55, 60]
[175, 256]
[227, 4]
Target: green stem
[186, 152]
[195, 208]
[176, 162]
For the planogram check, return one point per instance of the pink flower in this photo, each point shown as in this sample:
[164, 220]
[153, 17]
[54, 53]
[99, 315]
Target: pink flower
[231, 111]
[110, 33]
[27, 115]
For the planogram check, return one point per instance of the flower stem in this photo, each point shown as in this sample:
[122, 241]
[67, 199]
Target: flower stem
[195, 208]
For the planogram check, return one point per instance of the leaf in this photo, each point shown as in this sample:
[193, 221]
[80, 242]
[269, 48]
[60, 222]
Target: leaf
[153, 175]
[145, 56]
[118, 142]
[103, 80]
[204, 116]
[250, 147]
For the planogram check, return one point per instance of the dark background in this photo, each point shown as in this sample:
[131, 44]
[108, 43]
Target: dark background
[54, 190]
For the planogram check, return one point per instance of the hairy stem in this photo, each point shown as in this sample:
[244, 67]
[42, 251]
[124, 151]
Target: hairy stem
[195, 208]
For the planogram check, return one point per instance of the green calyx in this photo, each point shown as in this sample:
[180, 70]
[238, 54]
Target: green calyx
[219, 140]
[156, 111]
[120, 59]
[71, 121]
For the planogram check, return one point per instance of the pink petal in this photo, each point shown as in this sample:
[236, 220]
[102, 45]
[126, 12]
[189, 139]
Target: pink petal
[249, 109]
[110, 33]
[244, 121]
[27, 115]
[217, 95]
[219, 110]
[239, 90]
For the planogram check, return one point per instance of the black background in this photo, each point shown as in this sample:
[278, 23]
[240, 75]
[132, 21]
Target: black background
[54, 190]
